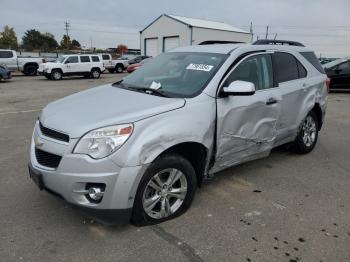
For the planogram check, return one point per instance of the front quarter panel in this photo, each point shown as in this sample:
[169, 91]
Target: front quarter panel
[195, 122]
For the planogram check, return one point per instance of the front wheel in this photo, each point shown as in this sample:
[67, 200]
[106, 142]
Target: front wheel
[308, 134]
[56, 75]
[119, 69]
[165, 191]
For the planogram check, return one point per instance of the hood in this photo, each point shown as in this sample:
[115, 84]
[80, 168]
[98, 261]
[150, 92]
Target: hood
[103, 106]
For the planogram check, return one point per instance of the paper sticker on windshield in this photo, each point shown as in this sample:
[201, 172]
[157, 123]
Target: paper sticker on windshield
[200, 67]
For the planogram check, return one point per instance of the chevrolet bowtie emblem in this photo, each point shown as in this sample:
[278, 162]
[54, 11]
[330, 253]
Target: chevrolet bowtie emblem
[38, 142]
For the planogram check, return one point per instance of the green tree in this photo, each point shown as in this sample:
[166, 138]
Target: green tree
[8, 38]
[32, 39]
[66, 43]
[75, 44]
[49, 42]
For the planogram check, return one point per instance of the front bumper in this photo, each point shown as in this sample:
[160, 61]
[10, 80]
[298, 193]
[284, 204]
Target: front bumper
[74, 171]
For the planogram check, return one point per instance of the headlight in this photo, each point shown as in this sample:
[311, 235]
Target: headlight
[102, 142]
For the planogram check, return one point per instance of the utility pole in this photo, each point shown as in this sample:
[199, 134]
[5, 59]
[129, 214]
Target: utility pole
[251, 30]
[275, 36]
[267, 32]
[67, 26]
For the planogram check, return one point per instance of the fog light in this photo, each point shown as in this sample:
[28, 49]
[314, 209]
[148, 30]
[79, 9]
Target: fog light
[95, 192]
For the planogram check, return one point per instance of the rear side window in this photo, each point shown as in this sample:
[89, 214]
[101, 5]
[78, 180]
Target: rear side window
[95, 59]
[84, 59]
[105, 57]
[286, 67]
[6, 54]
[311, 57]
[302, 70]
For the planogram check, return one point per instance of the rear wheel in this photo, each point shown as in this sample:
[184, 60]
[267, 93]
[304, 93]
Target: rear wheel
[30, 70]
[166, 190]
[56, 75]
[119, 68]
[95, 73]
[308, 134]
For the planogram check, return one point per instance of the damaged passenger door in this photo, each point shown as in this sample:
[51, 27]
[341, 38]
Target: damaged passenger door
[246, 122]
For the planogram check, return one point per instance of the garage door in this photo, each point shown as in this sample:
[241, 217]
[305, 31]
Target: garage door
[171, 42]
[151, 47]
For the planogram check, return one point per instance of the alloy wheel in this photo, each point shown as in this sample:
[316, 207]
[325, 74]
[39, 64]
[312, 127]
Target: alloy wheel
[164, 193]
[309, 131]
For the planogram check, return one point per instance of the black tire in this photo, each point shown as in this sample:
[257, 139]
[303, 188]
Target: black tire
[111, 71]
[139, 216]
[56, 75]
[299, 145]
[30, 70]
[119, 69]
[95, 73]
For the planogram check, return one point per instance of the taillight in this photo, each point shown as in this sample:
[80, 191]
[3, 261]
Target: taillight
[328, 83]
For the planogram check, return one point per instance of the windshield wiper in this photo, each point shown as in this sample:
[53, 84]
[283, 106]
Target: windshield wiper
[146, 90]
[152, 91]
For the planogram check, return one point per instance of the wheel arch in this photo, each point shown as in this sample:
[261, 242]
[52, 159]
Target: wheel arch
[318, 112]
[196, 153]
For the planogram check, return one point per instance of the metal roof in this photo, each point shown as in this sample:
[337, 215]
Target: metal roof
[207, 24]
[194, 22]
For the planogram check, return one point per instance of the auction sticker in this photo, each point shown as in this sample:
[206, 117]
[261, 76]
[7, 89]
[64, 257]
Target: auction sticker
[200, 67]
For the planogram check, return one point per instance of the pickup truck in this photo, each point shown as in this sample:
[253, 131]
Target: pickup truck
[119, 65]
[27, 65]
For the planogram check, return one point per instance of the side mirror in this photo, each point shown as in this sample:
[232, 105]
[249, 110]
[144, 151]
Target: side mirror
[239, 88]
[67, 62]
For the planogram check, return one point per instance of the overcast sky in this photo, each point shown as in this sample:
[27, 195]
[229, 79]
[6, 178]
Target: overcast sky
[323, 25]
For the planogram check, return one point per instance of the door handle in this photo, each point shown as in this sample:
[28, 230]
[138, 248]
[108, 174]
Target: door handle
[271, 101]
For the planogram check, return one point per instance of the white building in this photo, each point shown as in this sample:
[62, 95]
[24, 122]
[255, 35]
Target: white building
[170, 31]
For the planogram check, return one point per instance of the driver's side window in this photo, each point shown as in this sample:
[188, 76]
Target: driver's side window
[255, 69]
[72, 59]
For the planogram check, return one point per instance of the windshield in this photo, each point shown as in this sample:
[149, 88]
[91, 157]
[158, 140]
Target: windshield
[176, 74]
[334, 63]
[60, 59]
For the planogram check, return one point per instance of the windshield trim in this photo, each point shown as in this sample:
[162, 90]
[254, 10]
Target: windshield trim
[177, 95]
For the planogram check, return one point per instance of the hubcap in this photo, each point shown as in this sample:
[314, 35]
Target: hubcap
[309, 131]
[164, 193]
[57, 75]
[95, 74]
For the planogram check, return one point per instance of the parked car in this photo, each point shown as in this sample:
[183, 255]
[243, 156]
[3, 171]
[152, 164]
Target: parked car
[338, 72]
[5, 73]
[140, 147]
[119, 65]
[131, 68]
[27, 65]
[73, 65]
[138, 59]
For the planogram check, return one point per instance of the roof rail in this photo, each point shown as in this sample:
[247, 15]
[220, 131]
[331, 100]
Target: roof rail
[213, 42]
[276, 42]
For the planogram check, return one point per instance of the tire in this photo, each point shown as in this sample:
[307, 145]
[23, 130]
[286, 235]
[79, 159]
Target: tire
[119, 69]
[30, 70]
[308, 134]
[95, 73]
[165, 205]
[111, 71]
[56, 75]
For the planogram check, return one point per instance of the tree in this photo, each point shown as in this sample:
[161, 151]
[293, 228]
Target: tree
[66, 43]
[8, 38]
[75, 44]
[32, 39]
[122, 49]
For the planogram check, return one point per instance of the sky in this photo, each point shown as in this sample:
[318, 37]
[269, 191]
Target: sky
[323, 25]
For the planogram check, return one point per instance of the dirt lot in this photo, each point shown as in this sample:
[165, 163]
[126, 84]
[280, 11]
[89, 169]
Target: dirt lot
[282, 208]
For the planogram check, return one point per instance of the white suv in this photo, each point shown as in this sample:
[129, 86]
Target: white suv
[68, 65]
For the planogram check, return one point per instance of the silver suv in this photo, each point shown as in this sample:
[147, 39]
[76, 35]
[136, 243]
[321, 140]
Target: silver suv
[139, 148]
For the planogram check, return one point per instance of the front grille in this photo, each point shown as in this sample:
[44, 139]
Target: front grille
[47, 159]
[53, 134]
